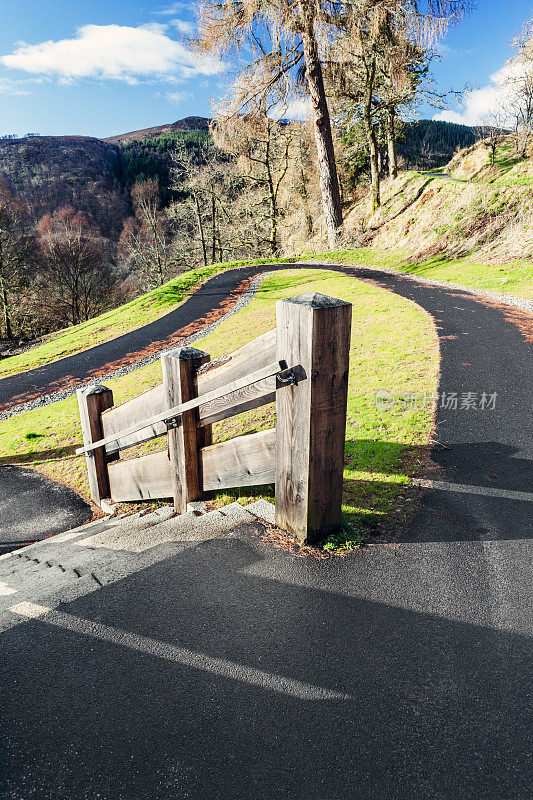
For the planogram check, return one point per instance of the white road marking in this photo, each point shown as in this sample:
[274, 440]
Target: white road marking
[180, 655]
[30, 610]
[5, 590]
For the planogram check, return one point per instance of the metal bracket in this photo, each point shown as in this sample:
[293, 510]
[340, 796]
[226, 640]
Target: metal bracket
[287, 378]
[173, 423]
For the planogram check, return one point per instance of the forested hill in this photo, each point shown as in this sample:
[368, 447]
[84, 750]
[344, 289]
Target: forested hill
[49, 172]
[426, 144]
[95, 175]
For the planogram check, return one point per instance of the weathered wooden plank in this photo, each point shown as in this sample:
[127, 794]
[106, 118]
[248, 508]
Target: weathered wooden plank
[253, 356]
[185, 439]
[258, 394]
[313, 331]
[254, 377]
[244, 461]
[132, 412]
[144, 478]
[92, 402]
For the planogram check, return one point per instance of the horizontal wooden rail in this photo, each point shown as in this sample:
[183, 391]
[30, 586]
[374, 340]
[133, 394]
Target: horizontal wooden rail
[171, 413]
[257, 394]
[144, 478]
[244, 461]
[253, 356]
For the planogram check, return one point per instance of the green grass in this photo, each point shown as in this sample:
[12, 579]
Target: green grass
[514, 278]
[394, 347]
[107, 326]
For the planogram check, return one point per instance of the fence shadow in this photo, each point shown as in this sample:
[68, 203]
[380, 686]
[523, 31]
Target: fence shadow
[395, 702]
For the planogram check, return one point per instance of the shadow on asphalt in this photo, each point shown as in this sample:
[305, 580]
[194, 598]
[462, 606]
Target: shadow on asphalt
[434, 707]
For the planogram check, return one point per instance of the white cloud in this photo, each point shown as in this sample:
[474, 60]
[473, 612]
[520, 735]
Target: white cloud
[495, 99]
[7, 86]
[173, 8]
[177, 98]
[298, 109]
[183, 26]
[112, 52]
[444, 50]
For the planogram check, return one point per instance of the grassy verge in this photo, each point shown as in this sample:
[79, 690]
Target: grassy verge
[114, 323]
[383, 448]
[514, 278]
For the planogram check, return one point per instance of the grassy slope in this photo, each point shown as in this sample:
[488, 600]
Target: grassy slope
[382, 448]
[107, 326]
[478, 233]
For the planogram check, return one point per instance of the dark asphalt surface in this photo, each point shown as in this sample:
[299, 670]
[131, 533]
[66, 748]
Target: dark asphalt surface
[426, 643]
[32, 507]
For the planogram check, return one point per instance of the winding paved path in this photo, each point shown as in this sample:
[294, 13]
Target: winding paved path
[414, 658]
[482, 350]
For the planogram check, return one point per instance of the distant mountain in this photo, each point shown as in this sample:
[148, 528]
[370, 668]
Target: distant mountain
[94, 175]
[187, 124]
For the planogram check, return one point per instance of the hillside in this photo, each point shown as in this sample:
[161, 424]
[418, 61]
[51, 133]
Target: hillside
[483, 218]
[187, 124]
[48, 172]
[94, 175]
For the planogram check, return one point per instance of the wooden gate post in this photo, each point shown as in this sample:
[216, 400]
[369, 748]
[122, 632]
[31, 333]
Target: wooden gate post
[185, 440]
[91, 402]
[313, 331]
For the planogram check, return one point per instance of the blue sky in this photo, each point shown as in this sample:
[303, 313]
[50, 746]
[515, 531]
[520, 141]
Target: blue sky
[109, 66]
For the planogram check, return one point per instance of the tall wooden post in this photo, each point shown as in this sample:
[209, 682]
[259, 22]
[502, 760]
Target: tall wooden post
[185, 440]
[91, 402]
[313, 331]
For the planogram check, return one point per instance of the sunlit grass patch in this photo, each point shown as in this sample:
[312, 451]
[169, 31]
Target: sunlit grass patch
[514, 278]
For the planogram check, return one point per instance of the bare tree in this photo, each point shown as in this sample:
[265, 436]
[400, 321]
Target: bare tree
[75, 276]
[145, 241]
[378, 60]
[262, 149]
[280, 36]
[16, 251]
[493, 129]
[520, 82]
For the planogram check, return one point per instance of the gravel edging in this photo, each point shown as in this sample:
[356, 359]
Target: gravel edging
[48, 399]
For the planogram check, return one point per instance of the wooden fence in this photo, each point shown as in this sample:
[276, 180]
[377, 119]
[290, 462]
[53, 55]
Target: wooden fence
[302, 365]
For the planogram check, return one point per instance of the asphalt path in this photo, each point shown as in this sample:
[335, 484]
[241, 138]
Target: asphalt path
[444, 176]
[235, 671]
[33, 507]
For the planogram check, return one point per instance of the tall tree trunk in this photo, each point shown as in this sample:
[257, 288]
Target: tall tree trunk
[374, 169]
[391, 143]
[371, 137]
[201, 229]
[327, 167]
[213, 229]
[5, 310]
